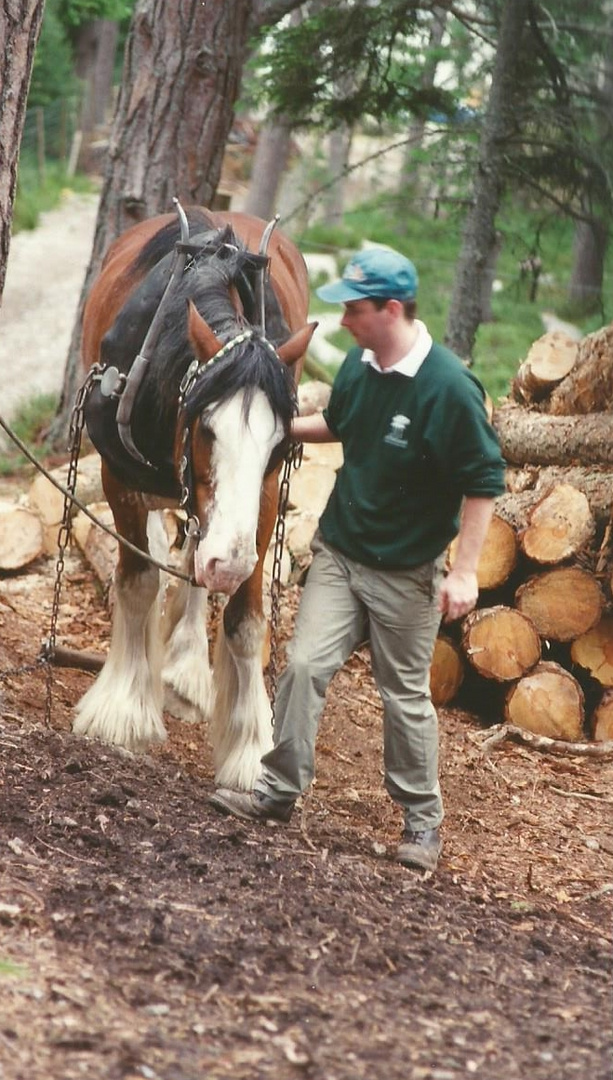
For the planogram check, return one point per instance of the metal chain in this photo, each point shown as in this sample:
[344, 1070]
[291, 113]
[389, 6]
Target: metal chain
[77, 422]
[292, 460]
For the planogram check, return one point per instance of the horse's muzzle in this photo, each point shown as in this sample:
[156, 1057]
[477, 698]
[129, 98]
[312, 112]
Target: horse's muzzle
[221, 574]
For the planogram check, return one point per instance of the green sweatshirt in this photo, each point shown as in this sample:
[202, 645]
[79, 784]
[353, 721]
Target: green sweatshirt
[413, 448]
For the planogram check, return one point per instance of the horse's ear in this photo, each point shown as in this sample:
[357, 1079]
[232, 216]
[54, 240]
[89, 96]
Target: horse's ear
[204, 341]
[292, 350]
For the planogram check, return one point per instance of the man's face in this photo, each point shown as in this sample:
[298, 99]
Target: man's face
[365, 322]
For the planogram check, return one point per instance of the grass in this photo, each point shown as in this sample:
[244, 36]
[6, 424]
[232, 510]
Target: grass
[30, 423]
[434, 243]
[36, 194]
[8, 969]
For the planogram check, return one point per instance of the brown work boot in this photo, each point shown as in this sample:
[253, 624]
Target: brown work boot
[419, 850]
[250, 805]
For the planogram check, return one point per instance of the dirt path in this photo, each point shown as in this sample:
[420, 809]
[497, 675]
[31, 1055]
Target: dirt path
[45, 273]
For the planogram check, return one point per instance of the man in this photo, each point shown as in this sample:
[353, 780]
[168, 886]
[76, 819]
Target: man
[419, 455]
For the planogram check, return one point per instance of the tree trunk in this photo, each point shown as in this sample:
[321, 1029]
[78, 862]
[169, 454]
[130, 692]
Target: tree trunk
[480, 231]
[531, 438]
[269, 163]
[548, 701]
[589, 249]
[182, 71]
[339, 147]
[95, 46]
[20, 22]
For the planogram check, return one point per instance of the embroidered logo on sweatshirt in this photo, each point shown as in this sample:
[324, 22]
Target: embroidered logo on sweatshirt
[396, 433]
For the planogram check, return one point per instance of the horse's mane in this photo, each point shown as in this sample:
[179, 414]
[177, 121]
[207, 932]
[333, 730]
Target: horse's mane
[220, 264]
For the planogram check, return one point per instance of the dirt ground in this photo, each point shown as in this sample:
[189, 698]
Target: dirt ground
[143, 935]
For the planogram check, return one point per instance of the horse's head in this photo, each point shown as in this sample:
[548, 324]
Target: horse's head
[237, 413]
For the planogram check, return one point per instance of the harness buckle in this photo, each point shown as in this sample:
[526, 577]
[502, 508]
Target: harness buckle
[112, 382]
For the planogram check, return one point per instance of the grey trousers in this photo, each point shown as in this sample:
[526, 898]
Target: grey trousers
[343, 602]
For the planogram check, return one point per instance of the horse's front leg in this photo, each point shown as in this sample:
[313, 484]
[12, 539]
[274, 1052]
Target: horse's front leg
[241, 728]
[188, 689]
[124, 705]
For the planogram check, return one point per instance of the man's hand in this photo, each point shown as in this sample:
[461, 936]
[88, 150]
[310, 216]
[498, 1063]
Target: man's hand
[458, 594]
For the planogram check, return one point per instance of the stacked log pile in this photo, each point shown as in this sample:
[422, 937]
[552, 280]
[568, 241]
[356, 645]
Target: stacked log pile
[538, 650]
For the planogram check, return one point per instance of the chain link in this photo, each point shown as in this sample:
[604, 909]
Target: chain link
[77, 422]
[292, 461]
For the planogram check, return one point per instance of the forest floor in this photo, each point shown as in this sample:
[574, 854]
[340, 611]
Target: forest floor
[144, 936]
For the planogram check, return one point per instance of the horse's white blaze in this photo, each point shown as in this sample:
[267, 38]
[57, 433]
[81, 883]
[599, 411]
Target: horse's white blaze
[124, 705]
[241, 729]
[226, 556]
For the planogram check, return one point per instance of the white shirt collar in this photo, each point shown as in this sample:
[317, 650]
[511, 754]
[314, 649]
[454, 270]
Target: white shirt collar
[410, 363]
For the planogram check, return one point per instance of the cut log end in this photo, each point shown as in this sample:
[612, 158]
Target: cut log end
[446, 672]
[500, 643]
[544, 598]
[547, 701]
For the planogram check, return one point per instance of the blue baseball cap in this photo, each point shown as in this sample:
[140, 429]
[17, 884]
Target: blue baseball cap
[377, 271]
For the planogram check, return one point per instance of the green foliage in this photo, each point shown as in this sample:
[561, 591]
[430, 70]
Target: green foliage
[53, 72]
[75, 12]
[434, 243]
[30, 424]
[9, 969]
[35, 195]
[350, 60]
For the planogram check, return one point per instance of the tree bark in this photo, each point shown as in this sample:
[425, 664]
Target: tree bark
[589, 249]
[339, 147]
[480, 231]
[96, 42]
[182, 72]
[527, 485]
[588, 388]
[531, 438]
[20, 22]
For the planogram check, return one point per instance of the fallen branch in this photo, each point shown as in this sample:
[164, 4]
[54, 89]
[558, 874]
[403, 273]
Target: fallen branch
[497, 734]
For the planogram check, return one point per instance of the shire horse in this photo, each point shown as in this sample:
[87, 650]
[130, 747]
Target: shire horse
[194, 346]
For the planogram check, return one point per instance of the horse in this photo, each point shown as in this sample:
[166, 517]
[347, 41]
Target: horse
[193, 343]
